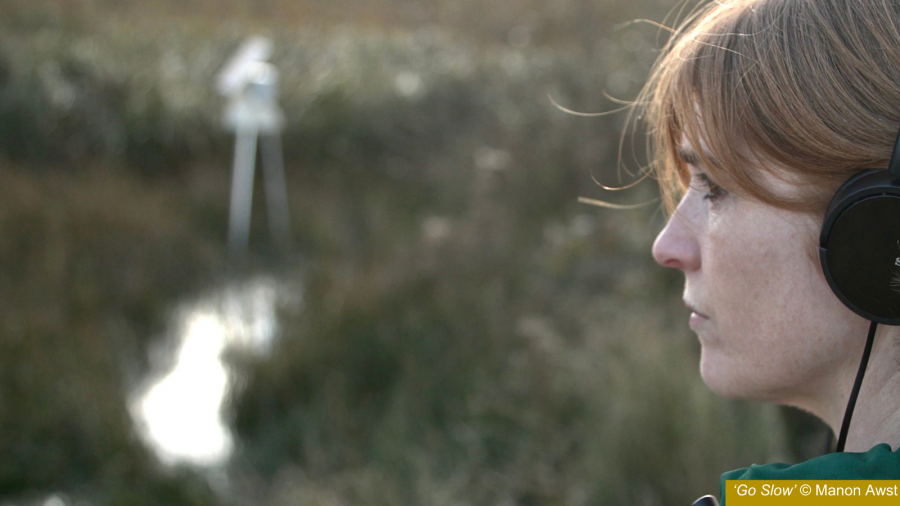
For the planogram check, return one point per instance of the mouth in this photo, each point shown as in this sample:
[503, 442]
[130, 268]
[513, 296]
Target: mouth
[697, 318]
[696, 312]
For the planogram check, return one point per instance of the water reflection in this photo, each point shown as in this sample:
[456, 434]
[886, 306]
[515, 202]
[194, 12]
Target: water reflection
[179, 414]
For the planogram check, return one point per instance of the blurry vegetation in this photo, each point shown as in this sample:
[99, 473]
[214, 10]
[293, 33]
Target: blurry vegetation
[470, 334]
[87, 263]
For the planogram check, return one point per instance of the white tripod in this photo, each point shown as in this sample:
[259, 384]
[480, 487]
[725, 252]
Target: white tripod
[253, 113]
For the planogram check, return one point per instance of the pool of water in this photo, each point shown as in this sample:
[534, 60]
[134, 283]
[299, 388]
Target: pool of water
[178, 410]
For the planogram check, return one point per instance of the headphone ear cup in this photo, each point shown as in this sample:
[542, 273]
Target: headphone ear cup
[859, 246]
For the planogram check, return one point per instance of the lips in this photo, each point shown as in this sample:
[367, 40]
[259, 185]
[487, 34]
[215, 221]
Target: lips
[697, 318]
[694, 310]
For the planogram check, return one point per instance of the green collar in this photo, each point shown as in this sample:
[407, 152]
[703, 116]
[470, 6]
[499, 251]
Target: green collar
[879, 463]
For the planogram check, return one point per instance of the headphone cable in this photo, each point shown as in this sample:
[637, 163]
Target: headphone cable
[851, 404]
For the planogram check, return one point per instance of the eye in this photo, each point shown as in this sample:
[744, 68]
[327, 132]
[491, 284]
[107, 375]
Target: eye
[713, 190]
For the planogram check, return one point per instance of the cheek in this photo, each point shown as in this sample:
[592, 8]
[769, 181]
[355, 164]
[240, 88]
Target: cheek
[778, 325]
[752, 350]
[752, 274]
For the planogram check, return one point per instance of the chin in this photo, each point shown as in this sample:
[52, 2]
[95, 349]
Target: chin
[726, 380]
[721, 386]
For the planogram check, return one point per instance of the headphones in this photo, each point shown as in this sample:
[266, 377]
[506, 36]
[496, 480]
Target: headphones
[859, 247]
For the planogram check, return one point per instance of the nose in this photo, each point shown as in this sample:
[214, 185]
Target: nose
[676, 246]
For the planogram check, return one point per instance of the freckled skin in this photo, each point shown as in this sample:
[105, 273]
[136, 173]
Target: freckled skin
[775, 330]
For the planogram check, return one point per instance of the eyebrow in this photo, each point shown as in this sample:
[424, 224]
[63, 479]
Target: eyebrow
[705, 178]
[690, 157]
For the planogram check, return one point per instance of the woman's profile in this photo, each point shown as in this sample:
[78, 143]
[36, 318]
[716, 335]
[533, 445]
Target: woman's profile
[759, 111]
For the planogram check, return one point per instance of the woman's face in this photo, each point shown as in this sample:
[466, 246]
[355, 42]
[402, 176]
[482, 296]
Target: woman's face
[769, 326]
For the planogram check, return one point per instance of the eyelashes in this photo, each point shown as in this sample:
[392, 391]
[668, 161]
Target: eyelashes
[713, 190]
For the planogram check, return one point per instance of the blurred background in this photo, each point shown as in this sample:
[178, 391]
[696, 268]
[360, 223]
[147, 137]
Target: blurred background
[446, 325]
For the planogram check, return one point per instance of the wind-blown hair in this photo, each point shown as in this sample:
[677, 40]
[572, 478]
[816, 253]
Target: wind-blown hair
[808, 90]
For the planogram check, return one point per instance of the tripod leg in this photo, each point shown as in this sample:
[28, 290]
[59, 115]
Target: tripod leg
[276, 191]
[242, 191]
